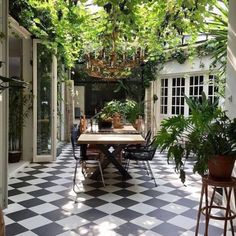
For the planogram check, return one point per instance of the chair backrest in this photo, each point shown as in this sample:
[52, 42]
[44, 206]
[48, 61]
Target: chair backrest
[151, 148]
[148, 136]
[73, 138]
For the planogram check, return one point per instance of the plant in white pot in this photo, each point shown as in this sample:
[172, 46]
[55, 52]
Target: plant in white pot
[208, 135]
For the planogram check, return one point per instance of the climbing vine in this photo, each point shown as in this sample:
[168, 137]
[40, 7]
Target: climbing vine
[73, 29]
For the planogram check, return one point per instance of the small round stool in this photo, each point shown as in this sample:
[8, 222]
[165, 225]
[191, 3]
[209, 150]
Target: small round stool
[228, 186]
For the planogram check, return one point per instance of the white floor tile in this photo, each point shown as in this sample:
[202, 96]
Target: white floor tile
[72, 222]
[139, 197]
[75, 208]
[21, 197]
[13, 208]
[62, 181]
[69, 233]
[164, 189]
[110, 208]
[29, 188]
[34, 222]
[182, 221]
[146, 221]
[28, 233]
[172, 207]
[168, 197]
[142, 208]
[150, 233]
[36, 181]
[110, 197]
[42, 175]
[56, 188]
[43, 208]
[50, 197]
[8, 221]
[109, 222]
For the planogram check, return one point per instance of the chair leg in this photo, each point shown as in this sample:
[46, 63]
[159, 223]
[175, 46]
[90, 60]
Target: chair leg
[145, 167]
[100, 168]
[74, 179]
[151, 173]
[127, 164]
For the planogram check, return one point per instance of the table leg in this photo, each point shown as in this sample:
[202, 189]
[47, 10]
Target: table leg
[111, 157]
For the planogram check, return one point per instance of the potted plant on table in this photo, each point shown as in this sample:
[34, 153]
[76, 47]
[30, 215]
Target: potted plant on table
[127, 110]
[208, 135]
[105, 117]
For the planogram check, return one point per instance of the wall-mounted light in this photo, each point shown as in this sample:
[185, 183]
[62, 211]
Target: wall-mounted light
[155, 98]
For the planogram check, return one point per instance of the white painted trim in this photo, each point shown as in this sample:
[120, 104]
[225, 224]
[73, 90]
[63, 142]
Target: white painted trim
[35, 42]
[4, 71]
[54, 107]
[17, 28]
[188, 74]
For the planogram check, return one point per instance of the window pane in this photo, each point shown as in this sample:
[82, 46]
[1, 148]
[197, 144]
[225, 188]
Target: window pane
[173, 110]
[191, 80]
[174, 82]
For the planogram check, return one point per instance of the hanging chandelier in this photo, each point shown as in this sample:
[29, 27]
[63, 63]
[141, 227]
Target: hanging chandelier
[113, 65]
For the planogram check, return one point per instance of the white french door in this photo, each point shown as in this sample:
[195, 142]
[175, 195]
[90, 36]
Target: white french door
[45, 103]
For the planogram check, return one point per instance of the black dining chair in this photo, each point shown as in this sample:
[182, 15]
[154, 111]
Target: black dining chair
[85, 162]
[147, 142]
[144, 154]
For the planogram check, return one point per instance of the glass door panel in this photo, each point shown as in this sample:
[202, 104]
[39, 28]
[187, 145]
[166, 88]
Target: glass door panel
[44, 104]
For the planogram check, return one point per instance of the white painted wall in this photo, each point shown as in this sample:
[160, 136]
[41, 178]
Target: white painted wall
[192, 66]
[3, 105]
[230, 103]
[230, 95]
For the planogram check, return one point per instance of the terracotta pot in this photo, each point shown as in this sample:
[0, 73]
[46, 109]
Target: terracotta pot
[221, 167]
[117, 121]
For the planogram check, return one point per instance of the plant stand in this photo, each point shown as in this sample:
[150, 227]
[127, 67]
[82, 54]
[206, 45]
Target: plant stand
[228, 186]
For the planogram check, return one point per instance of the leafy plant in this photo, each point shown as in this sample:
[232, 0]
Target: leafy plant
[20, 105]
[218, 29]
[205, 133]
[71, 28]
[128, 109]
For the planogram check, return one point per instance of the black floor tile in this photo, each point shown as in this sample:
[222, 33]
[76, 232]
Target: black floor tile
[49, 230]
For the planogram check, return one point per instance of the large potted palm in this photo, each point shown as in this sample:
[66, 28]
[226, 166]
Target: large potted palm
[208, 135]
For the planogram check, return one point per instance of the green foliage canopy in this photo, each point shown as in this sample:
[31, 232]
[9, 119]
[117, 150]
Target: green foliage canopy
[72, 29]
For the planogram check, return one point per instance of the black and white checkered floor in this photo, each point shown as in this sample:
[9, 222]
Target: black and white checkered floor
[42, 202]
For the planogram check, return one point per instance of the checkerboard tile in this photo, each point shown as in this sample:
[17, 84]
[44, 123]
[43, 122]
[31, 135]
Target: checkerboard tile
[42, 202]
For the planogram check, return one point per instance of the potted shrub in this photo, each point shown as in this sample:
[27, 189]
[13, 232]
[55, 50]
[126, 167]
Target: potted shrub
[19, 106]
[208, 134]
[105, 117]
[127, 110]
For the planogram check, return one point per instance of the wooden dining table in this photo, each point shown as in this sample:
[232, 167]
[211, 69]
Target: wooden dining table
[118, 139]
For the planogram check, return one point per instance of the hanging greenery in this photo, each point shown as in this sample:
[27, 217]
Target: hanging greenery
[73, 29]
[218, 29]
